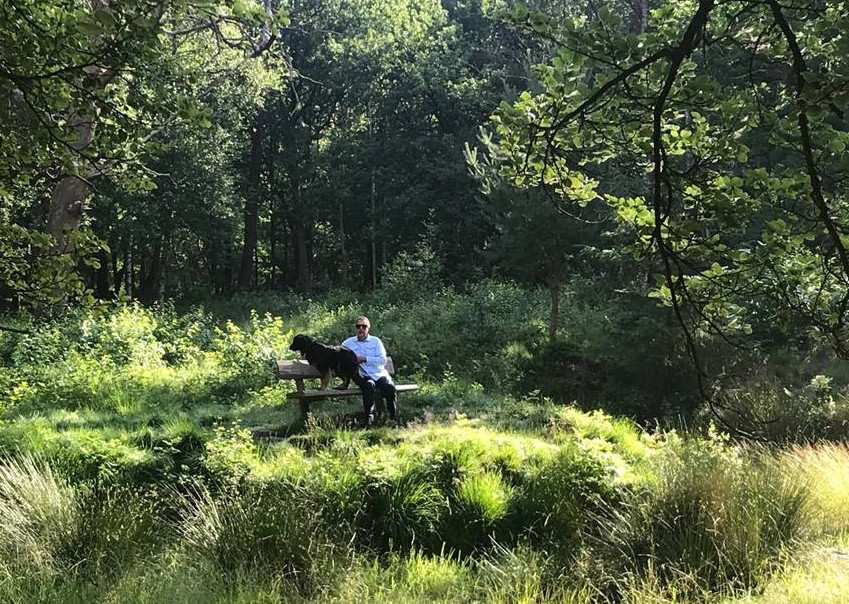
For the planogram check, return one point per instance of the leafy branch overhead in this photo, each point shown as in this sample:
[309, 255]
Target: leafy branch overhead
[90, 85]
[728, 121]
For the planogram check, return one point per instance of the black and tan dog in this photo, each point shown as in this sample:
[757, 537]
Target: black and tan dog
[329, 360]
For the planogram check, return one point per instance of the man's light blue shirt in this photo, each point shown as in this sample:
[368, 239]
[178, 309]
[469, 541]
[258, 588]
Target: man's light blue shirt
[372, 349]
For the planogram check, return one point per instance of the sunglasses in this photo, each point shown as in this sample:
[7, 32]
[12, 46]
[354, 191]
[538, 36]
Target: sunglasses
[361, 326]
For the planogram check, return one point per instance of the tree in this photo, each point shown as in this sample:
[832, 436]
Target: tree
[730, 120]
[82, 100]
[363, 127]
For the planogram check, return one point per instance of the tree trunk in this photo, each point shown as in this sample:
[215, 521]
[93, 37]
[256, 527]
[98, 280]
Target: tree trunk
[299, 235]
[247, 271]
[285, 263]
[66, 209]
[128, 267]
[343, 249]
[373, 234]
[273, 203]
[117, 272]
[101, 278]
[67, 201]
[150, 286]
[272, 247]
[554, 294]
[639, 16]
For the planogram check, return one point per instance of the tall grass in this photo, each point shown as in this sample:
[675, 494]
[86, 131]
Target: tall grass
[180, 478]
[262, 531]
[826, 468]
[402, 511]
[821, 577]
[559, 495]
[716, 519]
[39, 514]
[58, 539]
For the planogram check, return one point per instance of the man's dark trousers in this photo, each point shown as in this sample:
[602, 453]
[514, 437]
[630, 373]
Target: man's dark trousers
[370, 386]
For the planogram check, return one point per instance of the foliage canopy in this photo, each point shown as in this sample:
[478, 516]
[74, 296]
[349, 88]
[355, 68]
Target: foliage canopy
[728, 122]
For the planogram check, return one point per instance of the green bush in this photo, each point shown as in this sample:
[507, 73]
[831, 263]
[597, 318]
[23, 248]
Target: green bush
[622, 353]
[246, 356]
[781, 411]
[125, 336]
[411, 276]
[478, 333]
[46, 344]
[230, 454]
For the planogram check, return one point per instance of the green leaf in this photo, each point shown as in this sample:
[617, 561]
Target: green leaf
[105, 18]
[814, 111]
[90, 29]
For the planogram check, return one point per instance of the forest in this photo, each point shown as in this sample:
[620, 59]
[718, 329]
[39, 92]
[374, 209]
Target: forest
[607, 239]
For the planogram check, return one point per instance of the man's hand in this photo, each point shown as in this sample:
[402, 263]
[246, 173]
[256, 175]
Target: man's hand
[361, 358]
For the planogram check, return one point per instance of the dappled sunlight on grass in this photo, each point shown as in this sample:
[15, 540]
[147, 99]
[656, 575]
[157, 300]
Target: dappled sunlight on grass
[825, 467]
[482, 443]
[414, 579]
[821, 577]
[474, 495]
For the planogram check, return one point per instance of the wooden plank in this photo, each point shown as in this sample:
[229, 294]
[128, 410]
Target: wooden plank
[351, 391]
[290, 370]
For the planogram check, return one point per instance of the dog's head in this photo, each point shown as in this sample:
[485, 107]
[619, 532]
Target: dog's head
[300, 343]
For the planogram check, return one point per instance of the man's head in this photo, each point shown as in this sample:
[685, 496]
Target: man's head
[362, 325]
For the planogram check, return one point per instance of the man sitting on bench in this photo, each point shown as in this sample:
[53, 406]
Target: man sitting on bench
[373, 375]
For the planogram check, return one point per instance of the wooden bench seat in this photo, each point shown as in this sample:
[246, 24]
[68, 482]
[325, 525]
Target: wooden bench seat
[299, 370]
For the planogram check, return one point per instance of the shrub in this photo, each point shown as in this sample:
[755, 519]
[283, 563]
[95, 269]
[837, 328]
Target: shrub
[478, 333]
[621, 353]
[246, 356]
[230, 454]
[411, 276]
[783, 411]
[45, 344]
[125, 336]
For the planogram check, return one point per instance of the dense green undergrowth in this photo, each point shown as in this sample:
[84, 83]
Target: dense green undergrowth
[149, 456]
